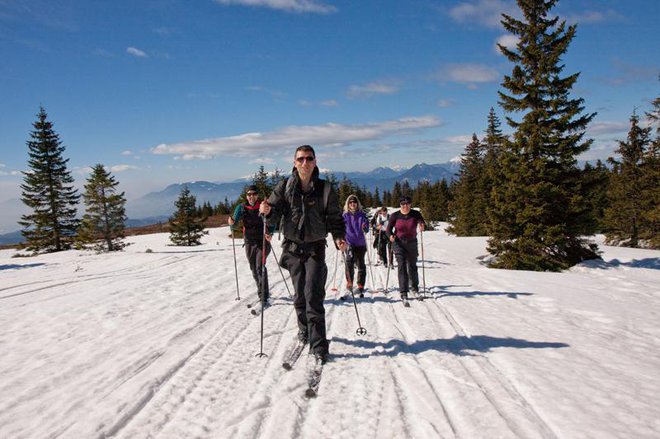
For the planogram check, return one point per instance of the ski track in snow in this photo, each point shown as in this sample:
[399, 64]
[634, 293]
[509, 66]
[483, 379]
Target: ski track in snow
[137, 345]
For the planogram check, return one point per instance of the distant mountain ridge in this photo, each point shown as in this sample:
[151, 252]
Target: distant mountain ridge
[159, 206]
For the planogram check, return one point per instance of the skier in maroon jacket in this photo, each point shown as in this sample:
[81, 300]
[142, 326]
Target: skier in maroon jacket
[402, 232]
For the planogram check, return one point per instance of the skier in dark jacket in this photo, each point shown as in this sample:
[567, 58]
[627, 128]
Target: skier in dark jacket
[253, 236]
[310, 209]
[357, 224]
[402, 232]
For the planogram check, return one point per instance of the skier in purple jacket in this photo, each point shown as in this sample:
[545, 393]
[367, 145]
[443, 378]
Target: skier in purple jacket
[357, 224]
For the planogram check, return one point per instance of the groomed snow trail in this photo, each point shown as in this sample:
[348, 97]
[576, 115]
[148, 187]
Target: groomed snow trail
[153, 344]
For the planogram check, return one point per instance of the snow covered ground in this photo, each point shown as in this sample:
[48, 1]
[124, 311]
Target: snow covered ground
[153, 344]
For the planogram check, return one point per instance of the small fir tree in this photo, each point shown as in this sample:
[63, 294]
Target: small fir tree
[468, 209]
[48, 191]
[185, 229]
[103, 222]
[625, 221]
[539, 215]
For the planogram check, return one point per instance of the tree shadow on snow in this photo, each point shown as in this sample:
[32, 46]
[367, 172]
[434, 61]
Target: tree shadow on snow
[20, 266]
[439, 294]
[458, 345]
[652, 263]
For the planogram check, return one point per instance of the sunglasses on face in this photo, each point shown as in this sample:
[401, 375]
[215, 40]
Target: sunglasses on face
[405, 204]
[250, 194]
[352, 202]
[302, 159]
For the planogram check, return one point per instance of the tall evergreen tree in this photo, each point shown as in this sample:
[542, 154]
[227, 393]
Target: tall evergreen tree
[261, 180]
[468, 208]
[596, 181]
[493, 144]
[185, 229]
[628, 193]
[103, 222]
[539, 216]
[652, 177]
[48, 190]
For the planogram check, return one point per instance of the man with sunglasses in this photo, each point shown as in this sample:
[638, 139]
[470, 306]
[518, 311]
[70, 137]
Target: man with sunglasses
[253, 236]
[402, 232]
[310, 210]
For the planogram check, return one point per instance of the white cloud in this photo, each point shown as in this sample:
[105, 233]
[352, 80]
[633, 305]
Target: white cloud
[329, 103]
[467, 73]
[483, 12]
[136, 52]
[122, 168]
[127, 152]
[371, 89]
[262, 161]
[605, 127]
[444, 103]
[282, 140]
[594, 17]
[274, 93]
[300, 6]
[509, 41]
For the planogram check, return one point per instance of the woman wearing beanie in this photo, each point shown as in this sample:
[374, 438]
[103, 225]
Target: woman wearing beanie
[356, 225]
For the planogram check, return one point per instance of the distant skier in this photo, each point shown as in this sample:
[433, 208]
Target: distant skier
[382, 243]
[402, 231]
[310, 209]
[357, 224]
[253, 234]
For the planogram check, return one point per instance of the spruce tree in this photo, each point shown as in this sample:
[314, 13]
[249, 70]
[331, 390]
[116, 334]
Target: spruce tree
[493, 144]
[539, 215]
[185, 229]
[103, 222]
[652, 180]
[628, 193]
[48, 190]
[468, 209]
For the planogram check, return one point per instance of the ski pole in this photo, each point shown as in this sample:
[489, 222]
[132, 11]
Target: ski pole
[281, 272]
[263, 284]
[371, 271]
[360, 330]
[387, 278]
[334, 276]
[421, 234]
[233, 246]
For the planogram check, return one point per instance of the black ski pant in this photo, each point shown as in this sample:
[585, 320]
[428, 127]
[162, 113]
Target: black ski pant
[306, 264]
[254, 257]
[355, 257]
[405, 252]
[384, 248]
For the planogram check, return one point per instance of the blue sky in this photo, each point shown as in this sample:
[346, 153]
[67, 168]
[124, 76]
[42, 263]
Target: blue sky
[179, 90]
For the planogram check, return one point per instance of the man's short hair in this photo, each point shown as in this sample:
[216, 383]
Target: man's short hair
[305, 148]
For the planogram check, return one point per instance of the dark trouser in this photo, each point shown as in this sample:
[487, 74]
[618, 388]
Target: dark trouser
[254, 256]
[306, 264]
[383, 245]
[406, 259]
[355, 256]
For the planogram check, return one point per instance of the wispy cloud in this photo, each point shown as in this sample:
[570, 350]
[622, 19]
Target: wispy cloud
[628, 73]
[326, 103]
[606, 127]
[122, 168]
[299, 6]
[136, 52]
[467, 74]
[372, 89]
[594, 17]
[483, 12]
[445, 103]
[274, 93]
[330, 134]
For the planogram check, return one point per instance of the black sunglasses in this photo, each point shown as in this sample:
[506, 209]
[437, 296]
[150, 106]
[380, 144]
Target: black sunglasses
[251, 193]
[309, 158]
[405, 203]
